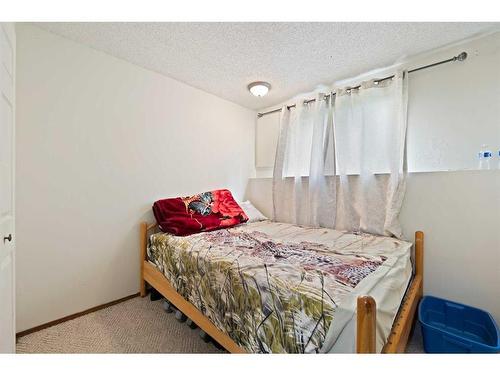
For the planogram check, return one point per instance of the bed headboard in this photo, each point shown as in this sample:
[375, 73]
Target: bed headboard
[146, 230]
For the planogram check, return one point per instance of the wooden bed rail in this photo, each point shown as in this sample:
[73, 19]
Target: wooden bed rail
[366, 319]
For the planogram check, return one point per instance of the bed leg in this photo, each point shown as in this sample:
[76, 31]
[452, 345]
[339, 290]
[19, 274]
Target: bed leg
[143, 252]
[142, 291]
[366, 325]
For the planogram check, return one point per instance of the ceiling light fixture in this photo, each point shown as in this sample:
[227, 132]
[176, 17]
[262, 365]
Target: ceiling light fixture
[259, 88]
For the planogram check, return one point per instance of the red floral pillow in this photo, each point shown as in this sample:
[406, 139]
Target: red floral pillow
[199, 213]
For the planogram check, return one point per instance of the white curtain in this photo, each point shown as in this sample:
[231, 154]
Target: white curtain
[370, 138]
[301, 192]
[341, 163]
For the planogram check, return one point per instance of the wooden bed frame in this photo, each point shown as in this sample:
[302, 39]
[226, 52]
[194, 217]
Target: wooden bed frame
[366, 307]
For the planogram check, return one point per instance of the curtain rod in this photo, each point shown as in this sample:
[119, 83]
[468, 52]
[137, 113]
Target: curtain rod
[461, 57]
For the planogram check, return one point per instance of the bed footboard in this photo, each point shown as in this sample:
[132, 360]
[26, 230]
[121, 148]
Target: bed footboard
[366, 312]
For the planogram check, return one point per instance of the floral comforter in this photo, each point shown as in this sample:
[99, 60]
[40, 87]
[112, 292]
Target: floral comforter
[272, 287]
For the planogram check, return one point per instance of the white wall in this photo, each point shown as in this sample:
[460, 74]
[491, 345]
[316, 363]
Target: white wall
[98, 141]
[459, 213]
[453, 109]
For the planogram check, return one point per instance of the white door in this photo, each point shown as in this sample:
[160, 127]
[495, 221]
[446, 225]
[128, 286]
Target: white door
[7, 239]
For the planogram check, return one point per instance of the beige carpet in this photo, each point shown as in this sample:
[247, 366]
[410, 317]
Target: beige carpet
[134, 326]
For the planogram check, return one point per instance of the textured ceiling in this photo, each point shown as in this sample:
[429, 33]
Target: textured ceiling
[222, 58]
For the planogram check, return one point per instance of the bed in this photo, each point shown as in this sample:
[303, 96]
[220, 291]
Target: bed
[270, 287]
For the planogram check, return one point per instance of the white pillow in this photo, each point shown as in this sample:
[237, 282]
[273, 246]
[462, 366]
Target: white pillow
[252, 213]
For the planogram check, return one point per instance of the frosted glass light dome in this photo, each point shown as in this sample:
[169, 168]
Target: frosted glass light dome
[259, 88]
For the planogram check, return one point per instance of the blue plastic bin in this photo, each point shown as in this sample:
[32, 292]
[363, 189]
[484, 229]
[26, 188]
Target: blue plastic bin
[450, 327]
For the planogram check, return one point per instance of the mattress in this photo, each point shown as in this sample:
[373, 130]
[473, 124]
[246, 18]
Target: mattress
[280, 288]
